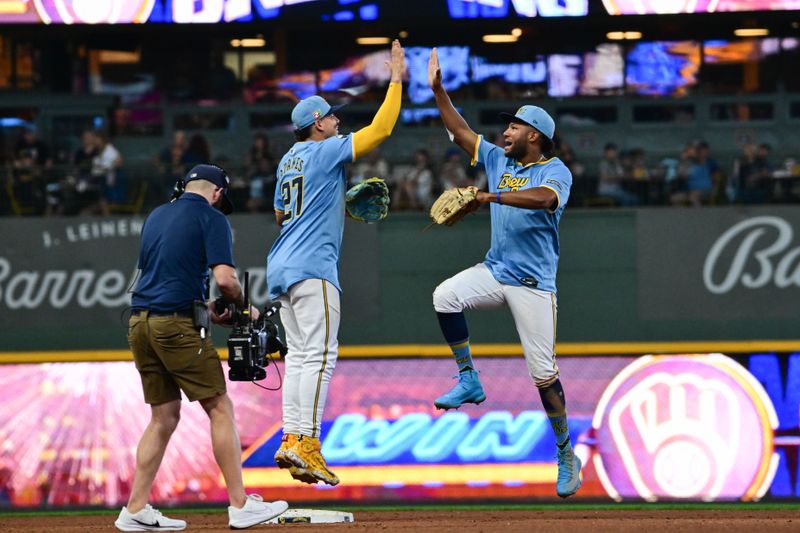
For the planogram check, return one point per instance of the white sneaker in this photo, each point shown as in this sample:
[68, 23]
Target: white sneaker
[255, 511]
[148, 519]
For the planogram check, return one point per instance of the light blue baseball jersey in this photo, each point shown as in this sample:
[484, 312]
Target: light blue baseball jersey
[525, 245]
[311, 194]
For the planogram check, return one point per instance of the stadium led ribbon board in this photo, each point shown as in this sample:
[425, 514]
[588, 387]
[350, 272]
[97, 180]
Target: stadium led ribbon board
[661, 7]
[93, 12]
[688, 427]
[215, 11]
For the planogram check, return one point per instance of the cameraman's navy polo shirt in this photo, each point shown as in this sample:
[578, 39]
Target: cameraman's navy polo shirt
[180, 241]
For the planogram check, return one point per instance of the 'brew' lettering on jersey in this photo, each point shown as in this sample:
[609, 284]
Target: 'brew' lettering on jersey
[512, 183]
[524, 241]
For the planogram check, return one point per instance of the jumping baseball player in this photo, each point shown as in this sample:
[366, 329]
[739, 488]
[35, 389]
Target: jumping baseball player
[527, 195]
[302, 266]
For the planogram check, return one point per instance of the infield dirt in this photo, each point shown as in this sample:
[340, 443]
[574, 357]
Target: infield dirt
[462, 521]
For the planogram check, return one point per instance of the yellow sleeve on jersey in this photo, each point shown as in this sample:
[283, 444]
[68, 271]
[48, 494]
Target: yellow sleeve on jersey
[366, 139]
[474, 160]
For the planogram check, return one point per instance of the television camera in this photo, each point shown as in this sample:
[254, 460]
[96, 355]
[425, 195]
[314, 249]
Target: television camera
[251, 341]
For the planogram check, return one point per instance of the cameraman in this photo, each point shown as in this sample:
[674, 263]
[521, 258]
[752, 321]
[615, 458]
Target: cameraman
[167, 334]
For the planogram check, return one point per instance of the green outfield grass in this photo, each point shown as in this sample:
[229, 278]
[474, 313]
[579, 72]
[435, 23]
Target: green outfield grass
[640, 506]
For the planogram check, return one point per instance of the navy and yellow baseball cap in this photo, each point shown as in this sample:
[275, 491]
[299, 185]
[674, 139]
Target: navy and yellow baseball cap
[308, 110]
[535, 117]
[218, 177]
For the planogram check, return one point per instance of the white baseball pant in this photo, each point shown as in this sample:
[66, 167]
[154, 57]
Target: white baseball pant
[534, 313]
[310, 314]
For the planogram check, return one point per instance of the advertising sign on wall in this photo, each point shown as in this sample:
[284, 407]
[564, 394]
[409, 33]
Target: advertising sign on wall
[715, 275]
[698, 427]
[76, 276]
[725, 264]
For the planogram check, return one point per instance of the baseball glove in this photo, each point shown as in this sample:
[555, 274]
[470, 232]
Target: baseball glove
[368, 201]
[454, 204]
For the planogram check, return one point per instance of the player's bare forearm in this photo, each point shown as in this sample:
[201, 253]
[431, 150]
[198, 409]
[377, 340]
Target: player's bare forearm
[397, 63]
[463, 135]
[534, 198]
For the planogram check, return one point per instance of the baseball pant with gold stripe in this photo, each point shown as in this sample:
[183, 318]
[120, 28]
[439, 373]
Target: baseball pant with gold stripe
[534, 313]
[310, 315]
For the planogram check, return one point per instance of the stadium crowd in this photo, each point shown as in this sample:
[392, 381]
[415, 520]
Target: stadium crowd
[95, 180]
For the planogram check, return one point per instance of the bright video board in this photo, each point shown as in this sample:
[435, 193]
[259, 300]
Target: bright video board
[685, 427]
[220, 11]
[217, 11]
[663, 68]
[664, 7]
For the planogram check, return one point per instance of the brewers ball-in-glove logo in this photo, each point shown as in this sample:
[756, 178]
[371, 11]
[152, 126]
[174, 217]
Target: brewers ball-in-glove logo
[93, 11]
[690, 426]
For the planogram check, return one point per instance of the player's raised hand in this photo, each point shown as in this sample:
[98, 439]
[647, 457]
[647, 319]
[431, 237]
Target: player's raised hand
[398, 62]
[434, 72]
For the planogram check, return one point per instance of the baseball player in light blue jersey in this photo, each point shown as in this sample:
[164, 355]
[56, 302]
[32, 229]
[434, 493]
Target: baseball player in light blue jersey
[302, 266]
[527, 194]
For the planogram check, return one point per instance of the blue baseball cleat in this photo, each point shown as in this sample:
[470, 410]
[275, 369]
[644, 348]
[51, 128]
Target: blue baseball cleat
[569, 473]
[467, 390]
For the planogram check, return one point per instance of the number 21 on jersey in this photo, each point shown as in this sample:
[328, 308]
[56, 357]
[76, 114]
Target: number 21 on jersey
[292, 195]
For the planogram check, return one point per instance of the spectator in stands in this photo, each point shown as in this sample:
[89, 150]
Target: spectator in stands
[30, 163]
[67, 194]
[745, 178]
[260, 169]
[29, 145]
[414, 189]
[454, 172]
[372, 165]
[567, 156]
[262, 186]
[259, 151]
[611, 176]
[84, 155]
[198, 151]
[171, 163]
[702, 176]
[639, 176]
[677, 175]
[259, 85]
[220, 83]
[105, 169]
[563, 151]
[765, 170]
[477, 175]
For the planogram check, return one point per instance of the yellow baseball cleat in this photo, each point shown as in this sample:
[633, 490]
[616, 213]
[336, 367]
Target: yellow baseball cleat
[305, 454]
[300, 474]
[287, 442]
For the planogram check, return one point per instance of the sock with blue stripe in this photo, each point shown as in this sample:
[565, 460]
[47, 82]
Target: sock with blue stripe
[454, 328]
[556, 407]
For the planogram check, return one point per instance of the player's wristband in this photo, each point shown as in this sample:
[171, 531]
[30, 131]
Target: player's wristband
[498, 198]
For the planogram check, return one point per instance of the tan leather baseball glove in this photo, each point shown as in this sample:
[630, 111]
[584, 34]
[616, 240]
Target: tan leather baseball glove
[454, 204]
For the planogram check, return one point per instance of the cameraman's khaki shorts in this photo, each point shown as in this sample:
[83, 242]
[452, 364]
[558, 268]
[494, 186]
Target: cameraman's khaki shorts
[171, 357]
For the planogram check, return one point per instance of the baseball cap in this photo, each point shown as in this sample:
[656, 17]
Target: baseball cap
[535, 117]
[218, 177]
[311, 109]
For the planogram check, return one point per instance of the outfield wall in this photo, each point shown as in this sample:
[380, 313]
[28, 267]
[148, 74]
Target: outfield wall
[630, 281]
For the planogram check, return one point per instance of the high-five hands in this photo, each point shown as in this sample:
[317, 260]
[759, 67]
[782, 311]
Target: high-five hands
[397, 64]
[434, 72]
